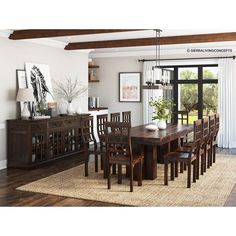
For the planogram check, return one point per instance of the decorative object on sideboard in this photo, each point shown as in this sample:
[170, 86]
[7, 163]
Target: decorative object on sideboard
[21, 82]
[25, 95]
[162, 111]
[129, 87]
[93, 102]
[69, 91]
[39, 79]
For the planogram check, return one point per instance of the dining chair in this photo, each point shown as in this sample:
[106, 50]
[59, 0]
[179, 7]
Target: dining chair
[214, 144]
[126, 116]
[189, 157]
[115, 117]
[119, 151]
[90, 145]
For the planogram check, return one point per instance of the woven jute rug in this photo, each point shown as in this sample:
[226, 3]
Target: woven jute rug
[212, 189]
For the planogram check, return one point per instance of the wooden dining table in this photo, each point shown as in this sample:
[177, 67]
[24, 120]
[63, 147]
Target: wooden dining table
[156, 143]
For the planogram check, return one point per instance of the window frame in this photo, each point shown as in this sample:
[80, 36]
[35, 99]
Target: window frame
[200, 82]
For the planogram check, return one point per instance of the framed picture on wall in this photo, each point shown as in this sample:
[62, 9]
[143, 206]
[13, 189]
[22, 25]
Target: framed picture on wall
[129, 87]
[21, 82]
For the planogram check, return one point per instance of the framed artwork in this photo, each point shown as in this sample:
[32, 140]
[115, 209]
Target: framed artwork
[21, 82]
[129, 87]
[39, 79]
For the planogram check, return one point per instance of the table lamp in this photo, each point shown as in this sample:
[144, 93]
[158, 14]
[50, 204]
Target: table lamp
[25, 95]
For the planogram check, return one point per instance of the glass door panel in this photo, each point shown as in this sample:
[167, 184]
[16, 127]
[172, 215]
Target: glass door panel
[188, 100]
[210, 99]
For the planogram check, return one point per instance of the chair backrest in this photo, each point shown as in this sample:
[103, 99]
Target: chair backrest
[115, 117]
[101, 119]
[211, 128]
[197, 136]
[217, 125]
[181, 116]
[205, 130]
[87, 131]
[126, 116]
[118, 140]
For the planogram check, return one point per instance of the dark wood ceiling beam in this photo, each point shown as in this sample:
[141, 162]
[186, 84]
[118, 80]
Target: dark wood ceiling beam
[40, 33]
[183, 39]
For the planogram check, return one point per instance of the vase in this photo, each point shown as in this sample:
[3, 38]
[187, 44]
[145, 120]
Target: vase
[162, 124]
[70, 110]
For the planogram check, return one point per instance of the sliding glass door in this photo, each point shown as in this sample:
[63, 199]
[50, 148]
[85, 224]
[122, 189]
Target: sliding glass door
[195, 90]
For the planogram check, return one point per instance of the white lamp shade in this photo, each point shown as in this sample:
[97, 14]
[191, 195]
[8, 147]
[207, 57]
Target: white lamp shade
[25, 95]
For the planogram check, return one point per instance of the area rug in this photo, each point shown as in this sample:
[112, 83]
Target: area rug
[212, 189]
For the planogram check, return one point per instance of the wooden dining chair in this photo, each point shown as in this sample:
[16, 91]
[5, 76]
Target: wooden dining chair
[90, 145]
[214, 143]
[119, 151]
[189, 157]
[115, 117]
[126, 116]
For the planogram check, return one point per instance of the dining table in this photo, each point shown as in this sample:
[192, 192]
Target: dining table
[155, 144]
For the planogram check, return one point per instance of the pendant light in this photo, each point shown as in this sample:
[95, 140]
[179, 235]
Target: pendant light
[159, 76]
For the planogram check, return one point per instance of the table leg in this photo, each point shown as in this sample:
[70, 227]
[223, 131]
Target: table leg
[150, 162]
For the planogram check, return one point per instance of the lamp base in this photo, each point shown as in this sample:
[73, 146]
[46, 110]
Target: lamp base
[25, 114]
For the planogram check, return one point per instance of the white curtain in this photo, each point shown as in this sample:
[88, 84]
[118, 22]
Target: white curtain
[226, 103]
[148, 93]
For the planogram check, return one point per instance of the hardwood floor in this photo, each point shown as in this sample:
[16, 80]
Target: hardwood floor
[10, 179]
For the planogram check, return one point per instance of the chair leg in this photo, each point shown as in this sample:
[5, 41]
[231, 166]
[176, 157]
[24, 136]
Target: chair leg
[194, 170]
[140, 179]
[197, 167]
[202, 164]
[172, 174]
[119, 174]
[189, 175]
[131, 178]
[211, 156]
[205, 161]
[166, 174]
[185, 166]
[102, 162]
[181, 167]
[176, 168]
[105, 167]
[109, 176]
[85, 163]
[214, 153]
[96, 163]
[208, 158]
[114, 169]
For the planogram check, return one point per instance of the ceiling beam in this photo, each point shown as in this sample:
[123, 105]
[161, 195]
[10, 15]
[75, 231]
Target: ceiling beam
[42, 33]
[183, 39]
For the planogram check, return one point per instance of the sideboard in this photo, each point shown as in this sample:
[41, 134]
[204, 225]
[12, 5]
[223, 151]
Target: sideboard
[33, 142]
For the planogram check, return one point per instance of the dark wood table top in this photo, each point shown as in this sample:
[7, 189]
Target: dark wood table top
[159, 137]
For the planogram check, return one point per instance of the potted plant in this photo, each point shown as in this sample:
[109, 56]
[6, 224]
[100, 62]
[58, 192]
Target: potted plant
[162, 111]
[69, 91]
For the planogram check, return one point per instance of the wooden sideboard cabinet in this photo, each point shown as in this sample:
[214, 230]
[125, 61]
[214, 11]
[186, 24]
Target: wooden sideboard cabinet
[33, 142]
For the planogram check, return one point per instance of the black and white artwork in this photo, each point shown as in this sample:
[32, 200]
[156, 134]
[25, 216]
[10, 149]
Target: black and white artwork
[39, 79]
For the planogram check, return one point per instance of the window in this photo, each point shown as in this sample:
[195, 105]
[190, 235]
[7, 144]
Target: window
[195, 90]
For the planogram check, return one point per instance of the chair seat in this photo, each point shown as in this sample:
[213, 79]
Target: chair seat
[120, 159]
[176, 156]
[183, 149]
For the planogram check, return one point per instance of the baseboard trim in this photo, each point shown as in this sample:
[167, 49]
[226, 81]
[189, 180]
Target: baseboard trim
[3, 164]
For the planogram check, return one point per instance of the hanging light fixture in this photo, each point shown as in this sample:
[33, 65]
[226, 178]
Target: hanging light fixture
[159, 76]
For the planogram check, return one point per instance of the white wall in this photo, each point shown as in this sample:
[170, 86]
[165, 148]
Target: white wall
[13, 55]
[108, 87]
